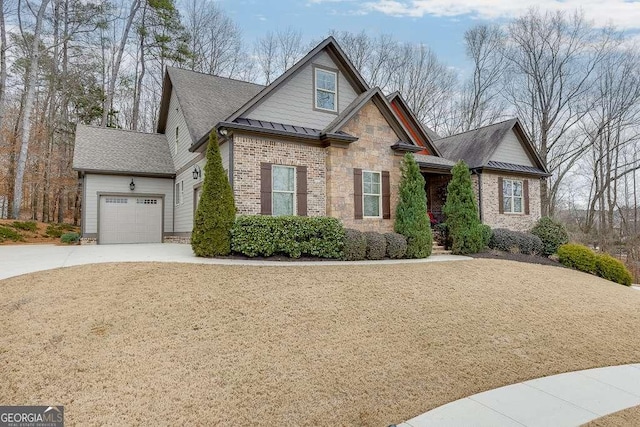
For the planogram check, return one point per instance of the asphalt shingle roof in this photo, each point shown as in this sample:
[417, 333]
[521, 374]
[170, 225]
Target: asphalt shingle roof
[433, 160]
[206, 99]
[476, 146]
[117, 150]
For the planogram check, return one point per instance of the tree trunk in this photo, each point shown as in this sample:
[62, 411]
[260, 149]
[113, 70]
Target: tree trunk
[115, 70]
[3, 62]
[30, 90]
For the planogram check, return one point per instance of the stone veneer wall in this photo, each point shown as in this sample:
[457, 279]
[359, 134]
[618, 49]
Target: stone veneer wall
[370, 152]
[490, 209]
[250, 151]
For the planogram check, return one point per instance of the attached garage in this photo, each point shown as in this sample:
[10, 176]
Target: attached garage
[130, 219]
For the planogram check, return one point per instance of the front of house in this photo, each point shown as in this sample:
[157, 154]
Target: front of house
[318, 141]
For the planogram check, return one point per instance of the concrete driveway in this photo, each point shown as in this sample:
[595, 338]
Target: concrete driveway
[21, 259]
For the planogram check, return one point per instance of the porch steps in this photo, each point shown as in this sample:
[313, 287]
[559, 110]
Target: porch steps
[439, 250]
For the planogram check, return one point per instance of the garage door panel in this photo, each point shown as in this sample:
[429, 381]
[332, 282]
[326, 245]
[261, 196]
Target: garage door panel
[130, 220]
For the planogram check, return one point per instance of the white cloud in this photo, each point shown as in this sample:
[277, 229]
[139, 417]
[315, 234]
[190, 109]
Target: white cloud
[623, 14]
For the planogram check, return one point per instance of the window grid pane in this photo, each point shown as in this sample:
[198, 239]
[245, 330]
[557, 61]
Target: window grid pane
[371, 205]
[282, 204]
[325, 100]
[371, 193]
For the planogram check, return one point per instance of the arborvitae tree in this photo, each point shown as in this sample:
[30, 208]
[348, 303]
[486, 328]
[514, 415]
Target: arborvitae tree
[216, 210]
[461, 212]
[412, 220]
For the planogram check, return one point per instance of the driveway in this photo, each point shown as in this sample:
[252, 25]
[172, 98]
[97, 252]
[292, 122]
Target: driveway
[21, 259]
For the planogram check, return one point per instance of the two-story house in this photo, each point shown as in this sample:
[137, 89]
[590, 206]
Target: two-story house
[316, 141]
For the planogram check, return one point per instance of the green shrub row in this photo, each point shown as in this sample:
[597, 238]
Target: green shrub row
[552, 234]
[57, 230]
[582, 258]
[293, 236]
[7, 233]
[372, 245]
[31, 226]
[515, 241]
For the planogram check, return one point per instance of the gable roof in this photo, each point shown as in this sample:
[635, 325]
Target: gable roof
[427, 134]
[374, 94]
[476, 147]
[120, 151]
[204, 99]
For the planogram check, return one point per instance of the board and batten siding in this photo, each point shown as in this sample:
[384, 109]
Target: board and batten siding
[175, 118]
[95, 184]
[184, 211]
[293, 102]
[511, 150]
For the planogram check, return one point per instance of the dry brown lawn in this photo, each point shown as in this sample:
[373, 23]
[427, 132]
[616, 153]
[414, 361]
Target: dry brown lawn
[177, 344]
[625, 418]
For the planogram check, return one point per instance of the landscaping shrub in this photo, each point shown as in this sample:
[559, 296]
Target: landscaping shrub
[612, 269]
[376, 245]
[293, 236]
[487, 232]
[412, 220]
[216, 210]
[396, 245]
[577, 256]
[461, 212]
[57, 230]
[31, 226]
[355, 245]
[7, 233]
[70, 238]
[515, 241]
[552, 233]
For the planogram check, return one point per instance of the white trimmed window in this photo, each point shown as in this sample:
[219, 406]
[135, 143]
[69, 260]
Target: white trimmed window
[283, 188]
[371, 194]
[179, 193]
[175, 148]
[512, 198]
[326, 90]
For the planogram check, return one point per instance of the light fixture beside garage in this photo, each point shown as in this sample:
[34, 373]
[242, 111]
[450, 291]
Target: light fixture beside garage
[132, 185]
[197, 172]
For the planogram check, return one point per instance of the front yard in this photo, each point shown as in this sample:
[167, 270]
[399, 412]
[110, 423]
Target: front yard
[180, 344]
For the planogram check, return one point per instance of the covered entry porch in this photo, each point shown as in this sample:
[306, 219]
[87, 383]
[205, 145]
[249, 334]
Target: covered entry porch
[437, 174]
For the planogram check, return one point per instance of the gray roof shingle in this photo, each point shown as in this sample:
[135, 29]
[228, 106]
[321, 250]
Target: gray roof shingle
[206, 99]
[429, 160]
[123, 151]
[476, 146]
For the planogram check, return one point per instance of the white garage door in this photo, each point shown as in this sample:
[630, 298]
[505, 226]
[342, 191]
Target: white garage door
[130, 220]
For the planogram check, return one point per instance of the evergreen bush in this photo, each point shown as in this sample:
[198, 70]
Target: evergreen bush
[552, 233]
[355, 245]
[461, 212]
[216, 209]
[376, 245]
[412, 220]
[293, 236]
[396, 245]
[612, 269]
[31, 226]
[515, 241]
[70, 238]
[577, 256]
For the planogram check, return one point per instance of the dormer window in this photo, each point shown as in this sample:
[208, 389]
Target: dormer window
[326, 90]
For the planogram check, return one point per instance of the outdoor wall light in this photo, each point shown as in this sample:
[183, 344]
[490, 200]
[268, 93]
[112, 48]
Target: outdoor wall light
[197, 172]
[132, 186]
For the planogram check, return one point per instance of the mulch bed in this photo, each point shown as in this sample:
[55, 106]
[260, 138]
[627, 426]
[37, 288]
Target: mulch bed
[531, 259]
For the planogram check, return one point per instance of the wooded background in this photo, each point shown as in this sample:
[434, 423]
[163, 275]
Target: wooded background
[575, 87]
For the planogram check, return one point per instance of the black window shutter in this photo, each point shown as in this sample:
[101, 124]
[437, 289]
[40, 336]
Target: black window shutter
[386, 195]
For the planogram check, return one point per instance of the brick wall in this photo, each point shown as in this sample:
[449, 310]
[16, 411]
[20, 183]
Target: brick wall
[370, 152]
[250, 151]
[490, 209]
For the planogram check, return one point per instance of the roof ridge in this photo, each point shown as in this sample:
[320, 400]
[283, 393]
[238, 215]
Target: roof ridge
[476, 129]
[215, 75]
[118, 129]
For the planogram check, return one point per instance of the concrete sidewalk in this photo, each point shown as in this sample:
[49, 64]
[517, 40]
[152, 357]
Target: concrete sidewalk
[570, 399]
[21, 259]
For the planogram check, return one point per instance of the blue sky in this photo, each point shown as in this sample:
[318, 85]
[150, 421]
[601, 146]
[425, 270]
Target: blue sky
[437, 23]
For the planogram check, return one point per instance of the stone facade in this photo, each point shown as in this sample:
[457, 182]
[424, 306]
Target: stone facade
[250, 151]
[371, 152]
[490, 209]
